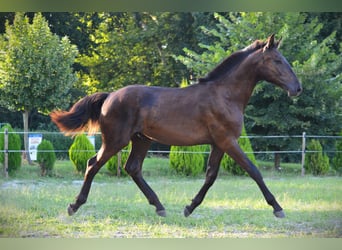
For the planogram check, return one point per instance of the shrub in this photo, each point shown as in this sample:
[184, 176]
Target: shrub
[230, 165]
[337, 160]
[316, 162]
[14, 144]
[60, 142]
[46, 157]
[80, 152]
[112, 164]
[188, 160]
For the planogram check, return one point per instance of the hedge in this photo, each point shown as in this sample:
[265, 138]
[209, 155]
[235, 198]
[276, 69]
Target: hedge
[14, 143]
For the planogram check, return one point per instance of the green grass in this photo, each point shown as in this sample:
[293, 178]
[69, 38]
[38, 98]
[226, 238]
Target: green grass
[32, 206]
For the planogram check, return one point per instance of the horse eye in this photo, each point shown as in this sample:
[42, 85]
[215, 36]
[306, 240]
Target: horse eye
[278, 62]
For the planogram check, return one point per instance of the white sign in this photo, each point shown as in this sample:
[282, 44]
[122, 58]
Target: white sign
[91, 138]
[34, 141]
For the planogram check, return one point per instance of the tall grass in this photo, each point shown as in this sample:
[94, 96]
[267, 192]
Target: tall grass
[32, 206]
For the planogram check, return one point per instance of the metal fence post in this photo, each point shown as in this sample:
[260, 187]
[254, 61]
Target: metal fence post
[6, 153]
[303, 152]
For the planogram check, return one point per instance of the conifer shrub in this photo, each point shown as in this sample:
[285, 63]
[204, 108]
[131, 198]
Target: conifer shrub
[316, 162]
[46, 157]
[112, 164]
[337, 160]
[14, 144]
[80, 151]
[188, 160]
[60, 143]
[230, 165]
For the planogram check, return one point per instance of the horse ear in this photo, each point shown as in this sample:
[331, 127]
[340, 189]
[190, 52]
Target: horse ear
[270, 42]
[279, 42]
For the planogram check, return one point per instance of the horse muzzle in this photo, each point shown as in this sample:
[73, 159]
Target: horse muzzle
[295, 91]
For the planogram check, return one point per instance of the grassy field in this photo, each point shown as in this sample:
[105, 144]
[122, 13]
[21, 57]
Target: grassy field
[32, 206]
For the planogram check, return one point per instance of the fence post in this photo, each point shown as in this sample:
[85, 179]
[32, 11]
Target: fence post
[6, 153]
[119, 164]
[303, 152]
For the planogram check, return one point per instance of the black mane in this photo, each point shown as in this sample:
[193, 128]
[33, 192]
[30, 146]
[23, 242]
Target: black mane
[230, 62]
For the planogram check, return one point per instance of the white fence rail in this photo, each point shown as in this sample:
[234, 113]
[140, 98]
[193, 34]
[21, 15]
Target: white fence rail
[301, 148]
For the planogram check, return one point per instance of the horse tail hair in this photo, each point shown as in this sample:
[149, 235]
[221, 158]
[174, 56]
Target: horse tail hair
[83, 115]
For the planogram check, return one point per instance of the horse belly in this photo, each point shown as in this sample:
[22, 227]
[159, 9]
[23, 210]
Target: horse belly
[177, 132]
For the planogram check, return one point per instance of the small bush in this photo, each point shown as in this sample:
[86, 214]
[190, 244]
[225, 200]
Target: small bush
[46, 157]
[80, 152]
[316, 162]
[112, 164]
[14, 143]
[188, 160]
[60, 142]
[230, 165]
[337, 160]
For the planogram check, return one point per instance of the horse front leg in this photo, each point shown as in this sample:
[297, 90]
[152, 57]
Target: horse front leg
[212, 170]
[233, 150]
[133, 167]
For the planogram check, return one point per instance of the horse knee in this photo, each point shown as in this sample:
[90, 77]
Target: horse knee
[91, 161]
[132, 168]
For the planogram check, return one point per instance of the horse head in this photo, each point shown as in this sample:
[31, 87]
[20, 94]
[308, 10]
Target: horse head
[276, 69]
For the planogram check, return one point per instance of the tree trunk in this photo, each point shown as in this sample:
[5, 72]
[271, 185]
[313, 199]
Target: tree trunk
[26, 114]
[277, 161]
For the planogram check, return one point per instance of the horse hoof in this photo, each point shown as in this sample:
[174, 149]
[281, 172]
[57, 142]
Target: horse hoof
[70, 210]
[161, 213]
[279, 214]
[186, 212]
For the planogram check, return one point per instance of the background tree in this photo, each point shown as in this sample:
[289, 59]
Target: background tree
[133, 48]
[35, 68]
[316, 63]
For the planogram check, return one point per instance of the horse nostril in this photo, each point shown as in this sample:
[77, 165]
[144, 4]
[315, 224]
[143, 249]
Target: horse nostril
[299, 90]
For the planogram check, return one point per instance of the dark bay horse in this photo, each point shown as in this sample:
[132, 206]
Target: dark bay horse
[209, 112]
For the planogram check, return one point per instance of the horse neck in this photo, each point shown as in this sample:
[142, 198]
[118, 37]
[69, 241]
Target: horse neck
[240, 82]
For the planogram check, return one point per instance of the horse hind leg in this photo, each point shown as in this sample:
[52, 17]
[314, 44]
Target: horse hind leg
[211, 174]
[133, 167]
[93, 166]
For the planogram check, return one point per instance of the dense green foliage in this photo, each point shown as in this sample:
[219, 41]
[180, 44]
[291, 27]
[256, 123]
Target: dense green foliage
[112, 163]
[136, 48]
[14, 144]
[316, 60]
[337, 160]
[80, 152]
[35, 68]
[316, 162]
[46, 157]
[188, 160]
[61, 144]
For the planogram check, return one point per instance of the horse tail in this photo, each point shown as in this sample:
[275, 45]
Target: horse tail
[83, 115]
